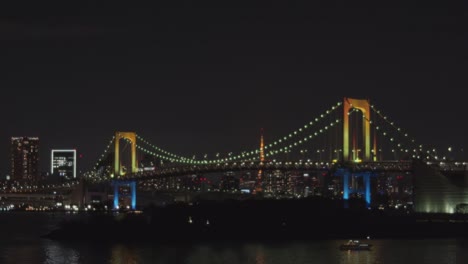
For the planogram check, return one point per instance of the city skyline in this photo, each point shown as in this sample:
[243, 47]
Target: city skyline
[197, 80]
[233, 132]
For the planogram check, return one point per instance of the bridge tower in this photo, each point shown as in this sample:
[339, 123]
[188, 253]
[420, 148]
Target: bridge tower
[364, 106]
[131, 136]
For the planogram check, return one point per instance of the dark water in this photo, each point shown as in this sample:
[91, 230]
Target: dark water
[20, 242]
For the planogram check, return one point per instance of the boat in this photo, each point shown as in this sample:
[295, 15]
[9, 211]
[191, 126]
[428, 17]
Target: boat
[355, 245]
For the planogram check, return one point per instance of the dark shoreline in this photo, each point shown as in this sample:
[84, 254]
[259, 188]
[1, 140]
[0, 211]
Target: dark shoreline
[251, 221]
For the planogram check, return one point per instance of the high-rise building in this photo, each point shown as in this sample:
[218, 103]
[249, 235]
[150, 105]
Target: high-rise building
[24, 158]
[63, 163]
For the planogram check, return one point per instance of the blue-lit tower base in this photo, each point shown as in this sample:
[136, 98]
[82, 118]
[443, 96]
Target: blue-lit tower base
[367, 186]
[346, 174]
[117, 184]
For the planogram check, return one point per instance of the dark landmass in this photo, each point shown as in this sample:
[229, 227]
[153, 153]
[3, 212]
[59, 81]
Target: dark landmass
[260, 220]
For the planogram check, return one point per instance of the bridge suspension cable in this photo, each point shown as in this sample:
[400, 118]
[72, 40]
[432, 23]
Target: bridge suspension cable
[274, 147]
[270, 153]
[301, 141]
[163, 157]
[392, 124]
[410, 143]
[252, 154]
[103, 155]
[164, 154]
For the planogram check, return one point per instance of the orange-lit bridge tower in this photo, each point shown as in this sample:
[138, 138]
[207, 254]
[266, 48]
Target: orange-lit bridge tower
[364, 106]
[118, 171]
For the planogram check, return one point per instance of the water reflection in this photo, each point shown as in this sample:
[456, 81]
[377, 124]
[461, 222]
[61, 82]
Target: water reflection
[27, 253]
[384, 251]
[358, 257]
[121, 254]
[20, 242]
[56, 253]
[259, 255]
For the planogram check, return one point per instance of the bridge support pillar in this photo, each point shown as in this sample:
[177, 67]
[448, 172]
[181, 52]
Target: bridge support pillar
[133, 194]
[344, 172]
[116, 195]
[346, 175]
[132, 185]
[367, 186]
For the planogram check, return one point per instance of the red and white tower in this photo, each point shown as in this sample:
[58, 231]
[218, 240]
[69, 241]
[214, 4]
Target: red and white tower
[258, 183]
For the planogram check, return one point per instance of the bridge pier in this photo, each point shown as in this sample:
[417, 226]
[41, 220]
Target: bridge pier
[367, 185]
[116, 195]
[346, 185]
[133, 193]
[132, 184]
[346, 174]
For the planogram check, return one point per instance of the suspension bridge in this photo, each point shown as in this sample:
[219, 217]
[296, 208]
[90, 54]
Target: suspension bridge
[350, 139]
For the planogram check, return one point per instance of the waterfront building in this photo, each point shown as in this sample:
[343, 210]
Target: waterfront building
[24, 158]
[437, 191]
[63, 163]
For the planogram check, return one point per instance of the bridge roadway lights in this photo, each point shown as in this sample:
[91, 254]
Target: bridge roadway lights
[346, 174]
[117, 184]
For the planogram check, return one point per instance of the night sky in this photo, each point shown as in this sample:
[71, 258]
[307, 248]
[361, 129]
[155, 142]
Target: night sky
[205, 77]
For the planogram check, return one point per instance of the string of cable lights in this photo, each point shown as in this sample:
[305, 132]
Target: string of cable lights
[105, 152]
[251, 154]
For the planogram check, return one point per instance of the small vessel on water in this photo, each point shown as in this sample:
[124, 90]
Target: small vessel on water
[355, 245]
